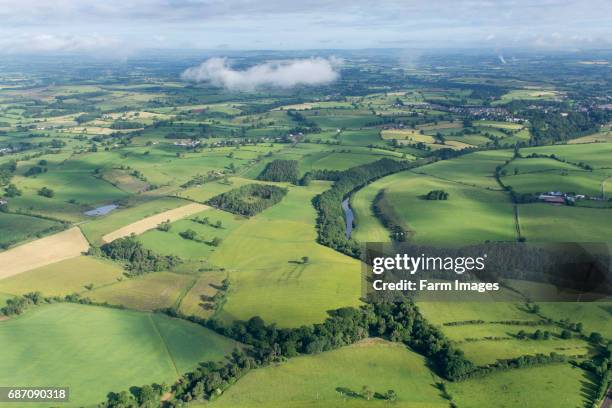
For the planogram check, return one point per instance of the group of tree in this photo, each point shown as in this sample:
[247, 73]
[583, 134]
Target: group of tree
[437, 195]
[35, 170]
[138, 259]
[207, 221]
[126, 124]
[387, 216]
[330, 219]
[281, 170]
[248, 200]
[304, 125]
[7, 170]
[46, 192]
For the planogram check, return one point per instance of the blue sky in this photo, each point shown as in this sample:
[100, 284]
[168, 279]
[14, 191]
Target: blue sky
[123, 26]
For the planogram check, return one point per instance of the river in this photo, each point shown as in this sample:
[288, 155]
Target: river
[348, 217]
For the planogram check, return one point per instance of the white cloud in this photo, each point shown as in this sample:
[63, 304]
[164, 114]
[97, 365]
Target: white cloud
[279, 74]
[56, 43]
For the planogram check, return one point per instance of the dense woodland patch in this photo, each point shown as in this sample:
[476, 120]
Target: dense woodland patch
[248, 200]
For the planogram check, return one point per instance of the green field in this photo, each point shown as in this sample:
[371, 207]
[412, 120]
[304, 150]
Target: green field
[550, 386]
[96, 228]
[317, 380]
[17, 227]
[71, 345]
[148, 292]
[545, 222]
[485, 214]
[263, 258]
[64, 277]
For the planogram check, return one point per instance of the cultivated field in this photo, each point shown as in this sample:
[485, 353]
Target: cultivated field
[379, 365]
[151, 222]
[80, 342]
[63, 245]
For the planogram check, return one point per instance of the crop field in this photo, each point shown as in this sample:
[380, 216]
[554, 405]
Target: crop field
[95, 229]
[379, 365]
[148, 292]
[207, 284]
[129, 347]
[63, 245]
[63, 277]
[153, 221]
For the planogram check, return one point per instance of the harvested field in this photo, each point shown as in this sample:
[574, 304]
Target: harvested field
[54, 248]
[148, 223]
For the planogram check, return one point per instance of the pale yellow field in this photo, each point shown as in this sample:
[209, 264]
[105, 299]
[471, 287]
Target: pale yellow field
[407, 134]
[54, 248]
[64, 277]
[297, 106]
[153, 221]
[601, 137]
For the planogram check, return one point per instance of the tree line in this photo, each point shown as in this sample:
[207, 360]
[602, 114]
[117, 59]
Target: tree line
[330, 219]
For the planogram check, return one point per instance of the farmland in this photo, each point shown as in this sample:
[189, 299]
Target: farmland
[379, 365]
[130, 347]
[150, 225]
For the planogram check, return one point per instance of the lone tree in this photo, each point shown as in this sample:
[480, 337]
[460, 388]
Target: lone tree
[46, 192]
[391, 395]
[305, 259]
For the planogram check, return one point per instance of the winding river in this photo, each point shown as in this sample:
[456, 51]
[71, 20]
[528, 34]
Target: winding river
[348, 217]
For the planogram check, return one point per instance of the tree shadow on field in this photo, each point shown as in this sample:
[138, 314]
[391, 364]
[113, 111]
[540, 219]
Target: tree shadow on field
[588, 387]
[344, 391]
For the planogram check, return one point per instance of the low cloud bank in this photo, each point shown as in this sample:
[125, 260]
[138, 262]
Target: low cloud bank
[281, 74]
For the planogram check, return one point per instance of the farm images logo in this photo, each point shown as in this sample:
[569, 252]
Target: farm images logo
[414, 264]
[490, 271]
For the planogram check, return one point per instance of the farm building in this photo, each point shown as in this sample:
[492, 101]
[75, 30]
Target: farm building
[553, 199]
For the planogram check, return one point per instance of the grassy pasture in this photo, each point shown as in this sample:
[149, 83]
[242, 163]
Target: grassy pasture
[312, 381]
[263, 258]
[545, 222]
[130, 348]
[208, 190]
[595, 316]
[569, 181]
[559, 385]
[74, 186]
[359, 137]
[171, 243]
[153, 221]
[17, 227]
[528, 94]
[475, 169]
[147, 292]
[603, 136]
[598, 155]
[100, 226]
[191, 304]
[64, 277]
[485, 214]
[485, 351]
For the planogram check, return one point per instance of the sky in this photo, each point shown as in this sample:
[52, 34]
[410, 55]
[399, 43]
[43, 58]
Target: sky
[108, 27]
